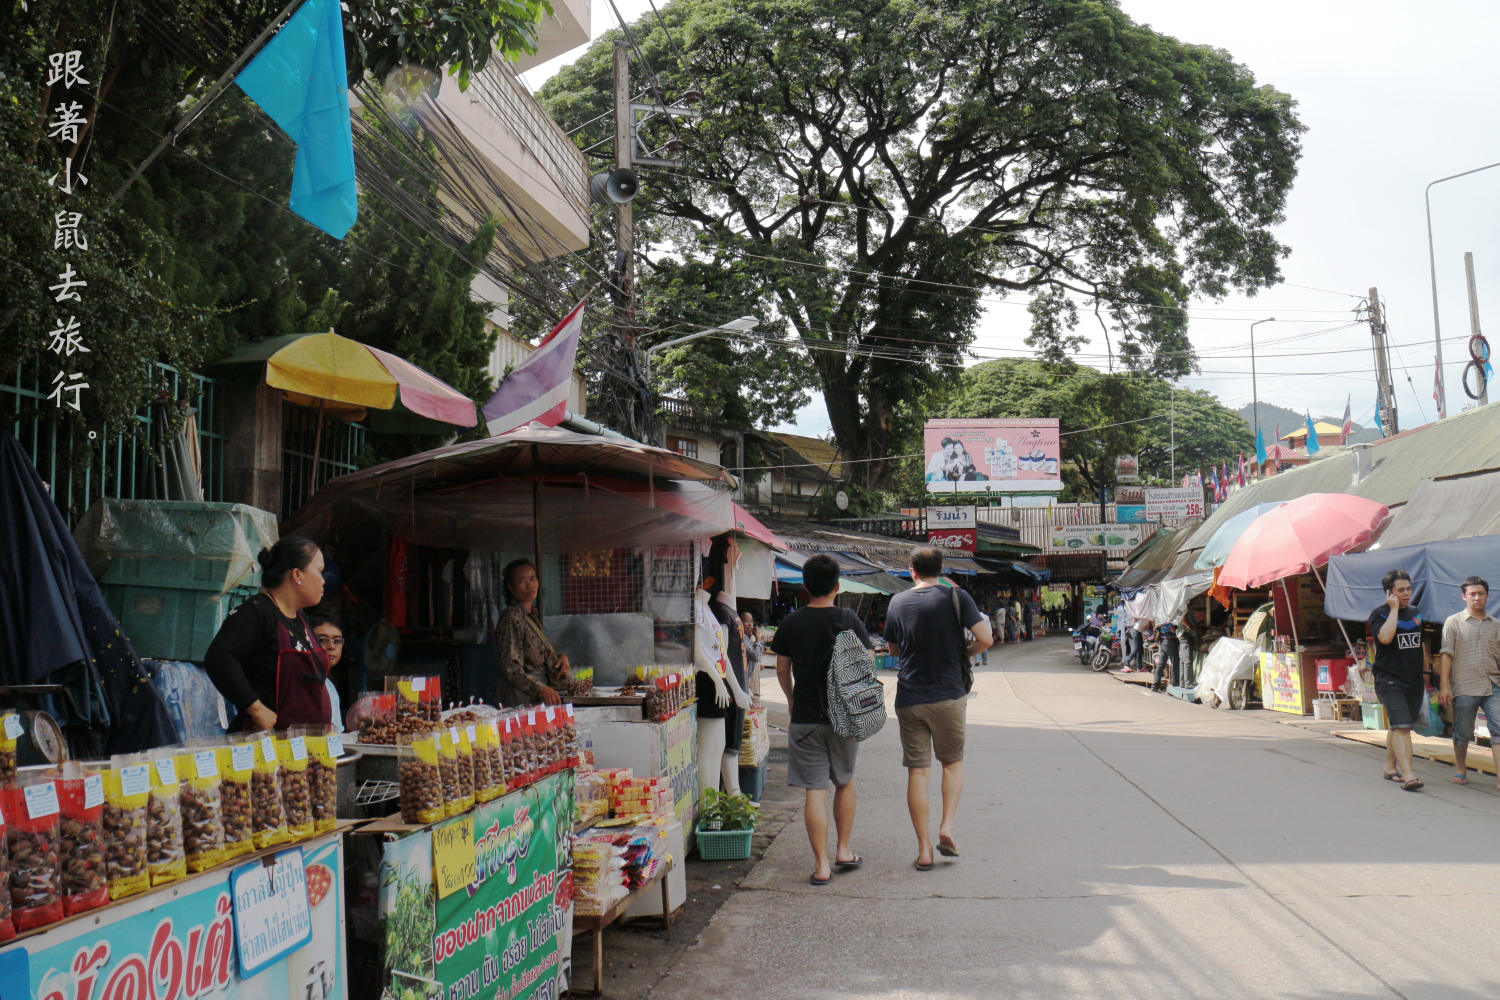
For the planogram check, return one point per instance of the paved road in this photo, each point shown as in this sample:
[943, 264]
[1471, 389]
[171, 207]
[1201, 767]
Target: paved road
[1122, 844]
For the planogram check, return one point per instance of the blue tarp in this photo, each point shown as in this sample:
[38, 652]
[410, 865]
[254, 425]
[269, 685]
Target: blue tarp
[1436, 569]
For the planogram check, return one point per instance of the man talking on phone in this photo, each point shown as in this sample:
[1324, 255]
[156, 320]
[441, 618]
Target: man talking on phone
[1399, 662]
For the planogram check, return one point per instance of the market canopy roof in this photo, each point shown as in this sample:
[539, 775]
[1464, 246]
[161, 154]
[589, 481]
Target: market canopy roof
[349, 379]
[1353, 587]
[1447, 508]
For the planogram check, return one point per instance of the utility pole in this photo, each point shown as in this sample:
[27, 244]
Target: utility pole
[1172, 409]
[1385, 402]
[624, 220]
[1484, 385]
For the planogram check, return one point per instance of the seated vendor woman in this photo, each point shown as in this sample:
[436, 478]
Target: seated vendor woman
[265, 658]
[531, 671]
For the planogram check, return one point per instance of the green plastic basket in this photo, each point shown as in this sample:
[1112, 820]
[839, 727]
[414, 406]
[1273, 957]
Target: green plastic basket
[724, 845]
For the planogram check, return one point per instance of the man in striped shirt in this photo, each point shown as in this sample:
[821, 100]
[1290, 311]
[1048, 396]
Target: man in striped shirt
[1469, 669]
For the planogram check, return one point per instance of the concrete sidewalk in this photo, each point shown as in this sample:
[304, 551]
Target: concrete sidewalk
[1122, 844]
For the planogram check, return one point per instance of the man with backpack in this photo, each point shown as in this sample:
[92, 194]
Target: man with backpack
[805, 645]
[924, 629]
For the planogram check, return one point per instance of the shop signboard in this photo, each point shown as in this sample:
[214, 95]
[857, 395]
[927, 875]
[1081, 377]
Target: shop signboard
[1174, 502]
[1127, 469]
[681, 764]
[953, 529]
[1130, 513]
[1282, 687]
[1003, 455]
[1130, 494]
[509, 932]
[179, 943]
[1084, 537]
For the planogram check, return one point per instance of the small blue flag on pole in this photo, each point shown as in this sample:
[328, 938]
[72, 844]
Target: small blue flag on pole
[1379, 424]
[1312, 435]
[299, 80]
[1260, 447]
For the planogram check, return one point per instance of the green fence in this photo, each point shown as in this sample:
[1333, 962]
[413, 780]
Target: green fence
[338, 450]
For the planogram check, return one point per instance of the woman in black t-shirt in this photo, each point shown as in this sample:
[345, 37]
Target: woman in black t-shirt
[243, 657]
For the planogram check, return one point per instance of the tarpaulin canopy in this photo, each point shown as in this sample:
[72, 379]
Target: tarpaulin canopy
[1352, 589]
[221, 538]
[1169, 599]
[1443, 509]
[747, 524]
[595, 493]
[1008, 567]
[349, 379]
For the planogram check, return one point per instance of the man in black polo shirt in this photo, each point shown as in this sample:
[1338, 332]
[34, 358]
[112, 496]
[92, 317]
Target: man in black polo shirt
[1399, 660]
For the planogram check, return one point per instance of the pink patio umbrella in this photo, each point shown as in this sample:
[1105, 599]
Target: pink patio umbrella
[1298, 536]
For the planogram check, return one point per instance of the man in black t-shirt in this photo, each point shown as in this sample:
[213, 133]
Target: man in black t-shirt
[924, 628]
[1399, 659]
[816, 754]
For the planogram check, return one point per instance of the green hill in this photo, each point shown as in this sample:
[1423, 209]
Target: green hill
[1273, 416]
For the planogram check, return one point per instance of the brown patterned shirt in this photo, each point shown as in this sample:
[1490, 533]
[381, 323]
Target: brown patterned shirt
[527, 660]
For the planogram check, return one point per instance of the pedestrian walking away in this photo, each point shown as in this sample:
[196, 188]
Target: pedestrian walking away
[818, 756]
[1400, 660]
[1166, 634]
[1469, 668]
[924, 629]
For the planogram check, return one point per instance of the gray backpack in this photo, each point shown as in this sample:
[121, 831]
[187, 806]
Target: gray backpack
[856, 698]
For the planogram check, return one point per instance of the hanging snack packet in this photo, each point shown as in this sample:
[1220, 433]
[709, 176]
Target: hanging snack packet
[448, 772]
[573, 756]
[10, 731]
[324, 748]
[507, 752]
[266, 814]
[491, 738]
[165, 854]
[465, 751]
[202, 805]
[7, 927]
[296, 796]
[486, 781]
[236, 757]
[421, 782]
[127, 789]
[32, 810]
[80, 843]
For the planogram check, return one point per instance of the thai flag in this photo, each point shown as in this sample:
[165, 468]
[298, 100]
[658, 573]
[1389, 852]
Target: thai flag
[537, 389]
[1348, 427]
[1241, 478]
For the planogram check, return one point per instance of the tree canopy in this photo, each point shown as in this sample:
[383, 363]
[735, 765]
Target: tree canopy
[869, 170]
[1103, 415]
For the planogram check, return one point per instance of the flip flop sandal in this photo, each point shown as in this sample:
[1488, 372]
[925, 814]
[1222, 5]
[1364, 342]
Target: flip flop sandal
[1460, 779]
[849, 865]
[814, 880]
[947, 851]
[1412, 785]
[921, 867]
[1393, 777]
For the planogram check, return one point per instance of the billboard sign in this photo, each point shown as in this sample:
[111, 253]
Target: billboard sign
[1110, 537]
[1174, 501]
[1130, 513]
[953, 529]
[1127, 469]
[1130, 494]
[1004, 455]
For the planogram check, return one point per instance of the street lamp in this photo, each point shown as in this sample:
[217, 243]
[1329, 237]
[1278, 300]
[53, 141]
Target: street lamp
[1437, 334]
[742, 325]
[1254, 393]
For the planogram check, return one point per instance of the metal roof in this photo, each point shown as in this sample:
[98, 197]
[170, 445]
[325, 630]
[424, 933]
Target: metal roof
[1466, 442]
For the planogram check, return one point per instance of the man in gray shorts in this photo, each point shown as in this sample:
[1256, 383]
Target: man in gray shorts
[817, 755]
[924, 628]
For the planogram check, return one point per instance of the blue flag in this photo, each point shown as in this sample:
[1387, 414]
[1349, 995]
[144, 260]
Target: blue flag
[1260, 447]
[1312, 435]
[299, 80]
[1378, 424]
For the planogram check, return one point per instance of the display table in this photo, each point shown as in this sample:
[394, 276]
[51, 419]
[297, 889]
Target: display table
[596, 925]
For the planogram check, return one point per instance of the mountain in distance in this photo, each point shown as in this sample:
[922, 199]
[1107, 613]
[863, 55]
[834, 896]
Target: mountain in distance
[1272, 415]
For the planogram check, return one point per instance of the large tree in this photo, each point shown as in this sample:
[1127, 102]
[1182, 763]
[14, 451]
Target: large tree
[884, 164]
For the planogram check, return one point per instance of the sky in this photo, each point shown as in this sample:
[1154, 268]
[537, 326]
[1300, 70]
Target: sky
[1394, 96]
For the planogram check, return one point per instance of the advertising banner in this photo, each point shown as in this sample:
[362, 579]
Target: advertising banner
[953, 529]
[507, 934]
[999, 454]
[1174, 501]
[1127, 469]
[1281, 687]
[1110, 537]
[180, 943]
[1130, 494]
[1130, 513]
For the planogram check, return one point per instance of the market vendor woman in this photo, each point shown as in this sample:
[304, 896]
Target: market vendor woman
[531, 670]
[265, 658]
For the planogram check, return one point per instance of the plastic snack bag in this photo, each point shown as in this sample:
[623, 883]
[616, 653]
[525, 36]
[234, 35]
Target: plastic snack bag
[448, 773]
[324, 748]
[165, 853]
[465, 752]
[127, 790]
[236, 766]
[296, 796]
[7, 926]
[32, 811]
[202, 805]
[10, 731]
[266, 814]
[485, 742]
[491, 738]
[571, 752]
[421, 781]
[80, 844]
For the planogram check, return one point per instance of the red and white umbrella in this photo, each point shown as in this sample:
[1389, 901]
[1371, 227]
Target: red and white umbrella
[1299, 535]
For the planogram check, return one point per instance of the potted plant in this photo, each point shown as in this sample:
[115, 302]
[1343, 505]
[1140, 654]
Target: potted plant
[726, 824]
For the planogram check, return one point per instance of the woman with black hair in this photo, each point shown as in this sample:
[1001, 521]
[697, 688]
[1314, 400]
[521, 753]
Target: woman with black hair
[265, 658]
[531, 670]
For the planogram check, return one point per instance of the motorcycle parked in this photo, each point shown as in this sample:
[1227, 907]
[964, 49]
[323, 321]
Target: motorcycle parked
[1106, 650]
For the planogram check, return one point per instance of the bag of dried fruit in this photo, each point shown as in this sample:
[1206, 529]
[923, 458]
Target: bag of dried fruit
[266, 814]
[324, 747]
[32, 810]
[84, 885]
[202, 805]
[127, 790]
[421, 780]
[236, 757]
[296, 797]
[165, 853]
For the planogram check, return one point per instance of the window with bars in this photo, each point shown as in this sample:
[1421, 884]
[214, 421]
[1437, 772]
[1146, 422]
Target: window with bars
[335, 444]
[687, 447]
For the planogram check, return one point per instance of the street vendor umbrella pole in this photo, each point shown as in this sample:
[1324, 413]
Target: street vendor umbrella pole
[312, 480]
[1347, 641]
